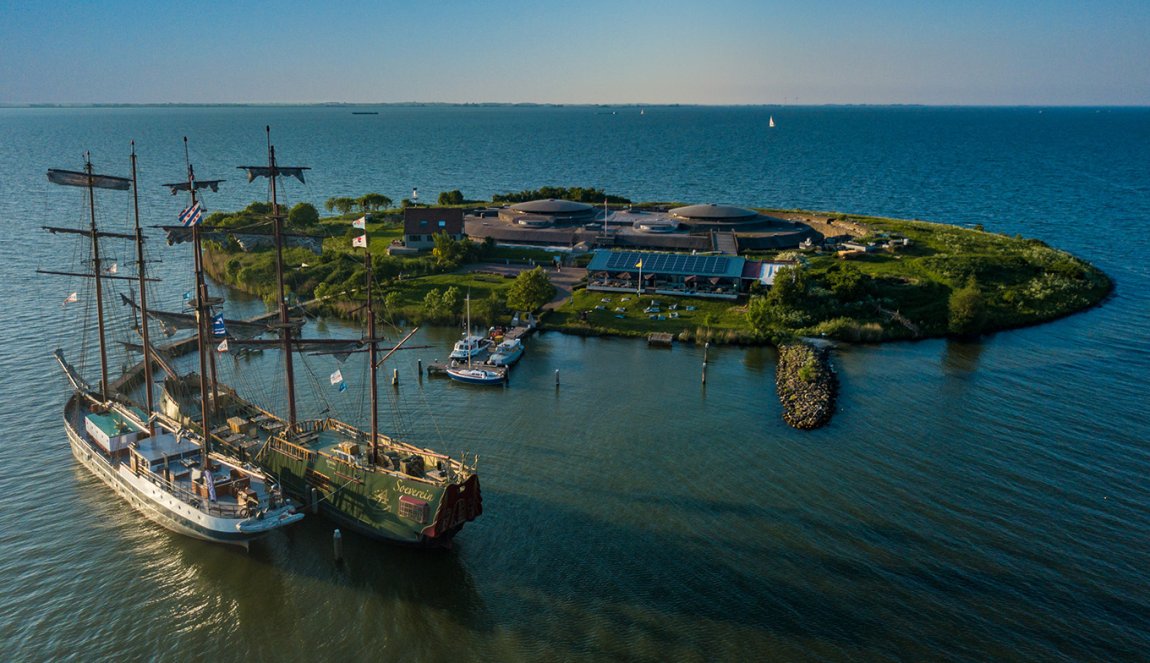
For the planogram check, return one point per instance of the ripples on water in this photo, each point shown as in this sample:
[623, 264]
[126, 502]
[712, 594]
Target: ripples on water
[970, 501]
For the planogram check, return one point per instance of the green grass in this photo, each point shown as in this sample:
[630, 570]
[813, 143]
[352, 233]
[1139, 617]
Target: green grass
[709, 318]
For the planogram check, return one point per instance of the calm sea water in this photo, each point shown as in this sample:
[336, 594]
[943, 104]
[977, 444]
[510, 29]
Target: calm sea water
[970, 501]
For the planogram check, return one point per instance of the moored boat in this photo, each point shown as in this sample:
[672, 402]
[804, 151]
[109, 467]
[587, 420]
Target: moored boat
[507, 352]
[470, 346]
[166, 473]
[363, 480]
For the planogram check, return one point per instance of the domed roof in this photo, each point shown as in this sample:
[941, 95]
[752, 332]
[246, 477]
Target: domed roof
[551, 206]
[713, 212]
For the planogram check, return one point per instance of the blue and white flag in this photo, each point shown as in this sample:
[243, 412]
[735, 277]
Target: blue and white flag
[342, 387]
[191, 216]
[187, 295]
[218, 325]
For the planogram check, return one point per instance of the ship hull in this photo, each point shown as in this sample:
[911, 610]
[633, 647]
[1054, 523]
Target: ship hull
[384, 506]
[385, 500]
[149, 499]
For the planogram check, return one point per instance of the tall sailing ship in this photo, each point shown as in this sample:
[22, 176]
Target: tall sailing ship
[364, 480]
[167, 473]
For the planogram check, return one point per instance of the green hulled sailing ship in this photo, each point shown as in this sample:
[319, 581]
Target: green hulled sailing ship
[363, 480]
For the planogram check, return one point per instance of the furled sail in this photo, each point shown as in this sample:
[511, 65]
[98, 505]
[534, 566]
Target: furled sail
[74, 178]
[265, 171]
[176, 187]
[236, 328]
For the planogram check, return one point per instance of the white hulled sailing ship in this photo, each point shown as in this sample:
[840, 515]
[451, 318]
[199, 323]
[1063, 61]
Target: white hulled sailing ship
[167, 473]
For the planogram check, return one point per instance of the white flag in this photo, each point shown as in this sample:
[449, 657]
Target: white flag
[113, 269]
[74, 297]
[223, 346]
[336, 377]
[360, 223]
[360, 241]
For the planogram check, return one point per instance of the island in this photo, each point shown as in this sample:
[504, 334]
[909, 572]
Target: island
[853, 278]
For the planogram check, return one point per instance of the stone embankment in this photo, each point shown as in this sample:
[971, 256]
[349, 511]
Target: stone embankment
[806, 384]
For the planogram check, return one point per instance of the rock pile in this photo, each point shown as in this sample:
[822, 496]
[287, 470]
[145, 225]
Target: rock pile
[806, 385]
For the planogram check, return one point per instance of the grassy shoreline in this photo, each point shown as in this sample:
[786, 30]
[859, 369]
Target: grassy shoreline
[893, 293]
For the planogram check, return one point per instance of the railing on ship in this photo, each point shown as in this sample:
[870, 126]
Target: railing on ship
[190, 498]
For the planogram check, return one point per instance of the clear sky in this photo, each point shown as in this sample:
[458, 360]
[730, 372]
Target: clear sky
[1049, 52]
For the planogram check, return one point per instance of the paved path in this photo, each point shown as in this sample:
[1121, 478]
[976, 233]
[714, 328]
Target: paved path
[564, 281]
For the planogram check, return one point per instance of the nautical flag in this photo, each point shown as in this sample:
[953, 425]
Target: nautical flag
[342, 387]
[210, 482]
[223, 346]
[337, 377]
[360, 223]
[187, 295]
[360, 241]
[113, 269]
[191, 216]
[74, 297]
[639, 264]
[218, 325]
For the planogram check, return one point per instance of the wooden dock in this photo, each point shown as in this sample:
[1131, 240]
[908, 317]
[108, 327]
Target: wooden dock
[660, 339]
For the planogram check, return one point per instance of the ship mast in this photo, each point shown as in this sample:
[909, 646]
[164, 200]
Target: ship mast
[373, 350]
[140, 270]
[285, 320]
[203, 313]
[104, 384]
[91, 182]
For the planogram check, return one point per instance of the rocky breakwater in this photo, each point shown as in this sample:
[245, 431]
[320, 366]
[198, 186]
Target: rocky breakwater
[806, 384]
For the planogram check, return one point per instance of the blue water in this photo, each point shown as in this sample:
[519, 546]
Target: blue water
[970, 501]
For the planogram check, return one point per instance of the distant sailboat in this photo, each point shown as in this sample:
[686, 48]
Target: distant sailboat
[771, 122]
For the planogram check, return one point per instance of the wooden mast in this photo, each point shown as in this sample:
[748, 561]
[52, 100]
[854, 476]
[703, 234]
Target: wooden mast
[140, 270]
[373, 350]
[203, 312]
[96, 269]
[285, 320]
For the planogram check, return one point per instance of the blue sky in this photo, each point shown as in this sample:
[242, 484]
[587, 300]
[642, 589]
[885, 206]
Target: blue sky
[595, 51]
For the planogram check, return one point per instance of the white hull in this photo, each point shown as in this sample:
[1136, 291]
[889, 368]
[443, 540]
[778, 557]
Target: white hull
[161, 506]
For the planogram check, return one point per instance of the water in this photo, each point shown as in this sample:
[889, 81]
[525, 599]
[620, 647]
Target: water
[970, 501]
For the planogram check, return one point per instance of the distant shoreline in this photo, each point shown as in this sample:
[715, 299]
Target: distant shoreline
[528, 104]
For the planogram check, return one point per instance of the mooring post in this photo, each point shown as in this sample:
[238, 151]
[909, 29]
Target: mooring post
[314, 501]
[419, 368]
[557, 378]
[395, 377]
[706, 347]
[337, 544]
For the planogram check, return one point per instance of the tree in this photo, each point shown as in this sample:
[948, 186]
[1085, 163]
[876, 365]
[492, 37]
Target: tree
[530, 290]
[453, 197]
[846, 282]
[369, 202]
[433, 303]
[759, 314]
[448, 251]
[391, 302]
[967, 310]
[451, 300]
[789, 288]
[341, 205]
[303, 214]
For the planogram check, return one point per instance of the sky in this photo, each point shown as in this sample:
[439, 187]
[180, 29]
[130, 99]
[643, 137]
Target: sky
[965, 52]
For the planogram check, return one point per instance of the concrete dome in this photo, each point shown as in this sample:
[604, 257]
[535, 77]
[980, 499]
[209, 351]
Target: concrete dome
[552, 206]
[714, 212]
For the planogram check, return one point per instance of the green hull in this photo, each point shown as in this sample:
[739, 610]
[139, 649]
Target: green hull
[404, 494]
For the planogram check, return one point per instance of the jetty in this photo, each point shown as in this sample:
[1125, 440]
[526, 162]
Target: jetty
[521, 331]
